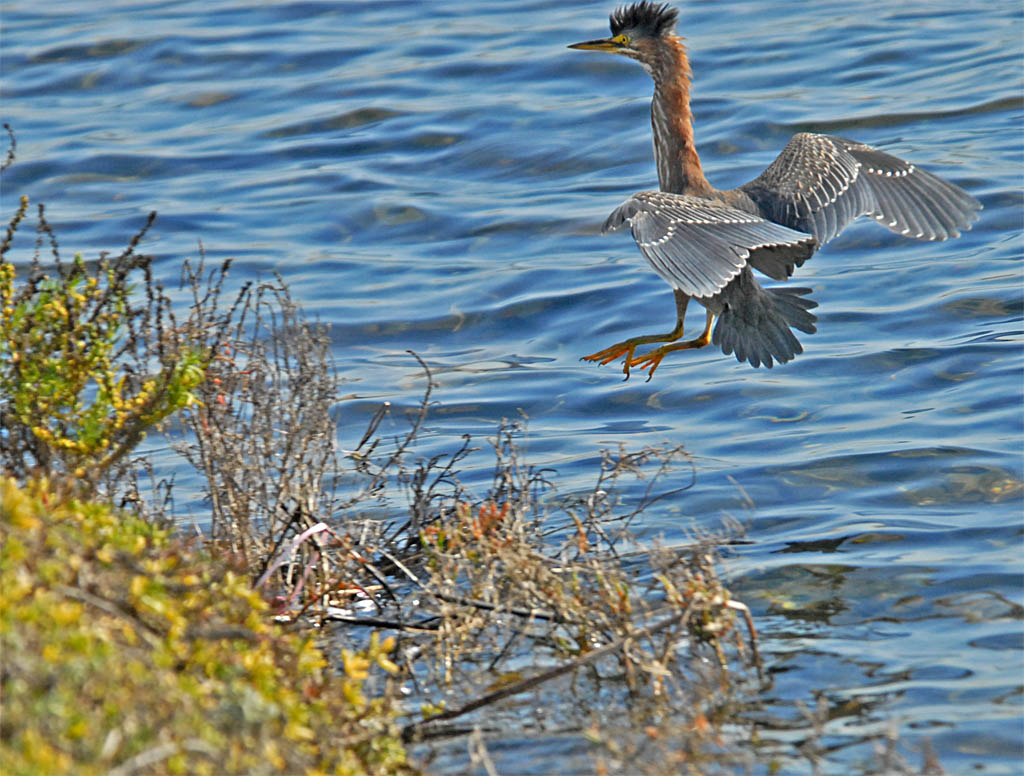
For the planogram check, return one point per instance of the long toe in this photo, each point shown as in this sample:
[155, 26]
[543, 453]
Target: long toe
[648, 361]
[603, 356]
[609, 354]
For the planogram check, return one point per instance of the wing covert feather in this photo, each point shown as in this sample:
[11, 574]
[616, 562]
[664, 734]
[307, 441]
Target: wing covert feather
[820, 183]
[698, 245]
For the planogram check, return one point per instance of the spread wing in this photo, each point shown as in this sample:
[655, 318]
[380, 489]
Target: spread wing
[698, 245]
[820, 183]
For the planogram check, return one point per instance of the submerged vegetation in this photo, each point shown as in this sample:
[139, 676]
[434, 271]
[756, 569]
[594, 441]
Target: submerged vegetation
[342, 610]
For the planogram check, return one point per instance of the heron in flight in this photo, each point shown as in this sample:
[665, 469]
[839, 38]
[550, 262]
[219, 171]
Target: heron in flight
[705, 242]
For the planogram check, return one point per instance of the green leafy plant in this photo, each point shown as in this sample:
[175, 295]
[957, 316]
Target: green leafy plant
[86, 365]
[126, 650]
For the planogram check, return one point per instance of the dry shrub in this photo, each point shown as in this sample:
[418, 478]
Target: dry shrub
[261, 434]
[491, 595]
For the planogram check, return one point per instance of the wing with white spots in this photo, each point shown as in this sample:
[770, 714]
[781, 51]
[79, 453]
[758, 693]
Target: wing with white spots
[820, 183]
[698, 245]
[912, 201]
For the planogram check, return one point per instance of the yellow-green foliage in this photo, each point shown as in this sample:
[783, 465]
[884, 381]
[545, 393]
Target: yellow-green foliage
[124, 649]
[63, 365]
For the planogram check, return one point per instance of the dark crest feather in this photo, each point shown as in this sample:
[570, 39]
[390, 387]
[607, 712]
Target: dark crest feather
[651, 19]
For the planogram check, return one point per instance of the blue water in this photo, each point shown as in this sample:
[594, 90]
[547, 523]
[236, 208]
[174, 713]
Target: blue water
[433, 175]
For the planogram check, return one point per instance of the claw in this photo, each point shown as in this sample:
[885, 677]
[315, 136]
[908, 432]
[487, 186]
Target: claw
[609, 354]
[647, 361]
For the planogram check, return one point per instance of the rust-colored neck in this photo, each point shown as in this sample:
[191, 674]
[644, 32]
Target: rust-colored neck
[679, 169]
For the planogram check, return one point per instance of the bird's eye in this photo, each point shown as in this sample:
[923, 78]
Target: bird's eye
[622, 40]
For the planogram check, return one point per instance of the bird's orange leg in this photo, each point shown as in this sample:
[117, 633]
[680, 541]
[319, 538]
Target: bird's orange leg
[652, 359]
[627, 347]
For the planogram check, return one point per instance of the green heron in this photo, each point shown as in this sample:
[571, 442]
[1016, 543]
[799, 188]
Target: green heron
[704, 241]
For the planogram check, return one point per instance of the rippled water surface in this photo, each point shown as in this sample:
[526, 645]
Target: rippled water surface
[432, 176]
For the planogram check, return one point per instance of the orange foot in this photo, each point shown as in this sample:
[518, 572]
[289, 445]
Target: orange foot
[648, 361]
[609, 354]
[653, 359]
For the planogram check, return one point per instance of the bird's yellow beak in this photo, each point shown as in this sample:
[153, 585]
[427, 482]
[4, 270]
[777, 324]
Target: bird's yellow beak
[605, 44]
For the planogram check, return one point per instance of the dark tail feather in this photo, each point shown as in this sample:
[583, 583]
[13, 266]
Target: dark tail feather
[755, 323]
[792, 306]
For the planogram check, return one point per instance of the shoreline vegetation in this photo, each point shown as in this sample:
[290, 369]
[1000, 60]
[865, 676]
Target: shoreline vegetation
[342, 611]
